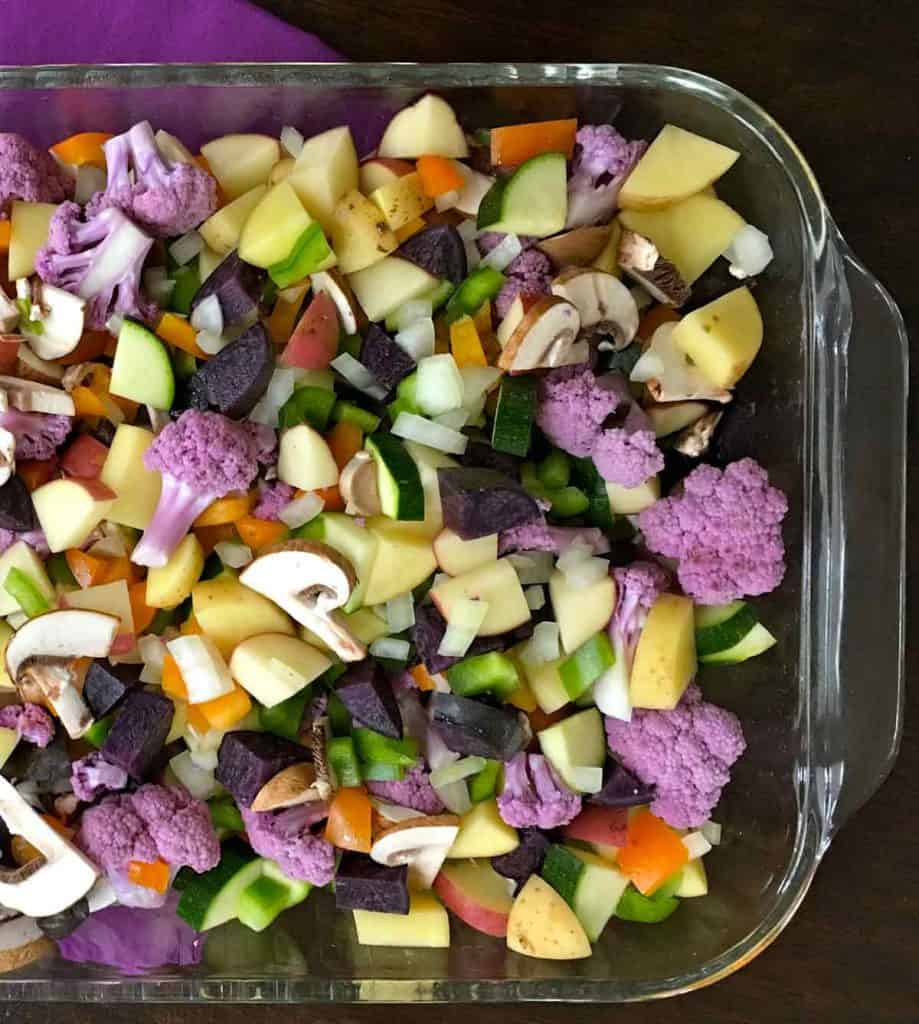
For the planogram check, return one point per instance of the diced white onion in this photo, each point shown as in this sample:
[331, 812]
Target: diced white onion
[457, 771]
[504, 253]
[211, 343]
[649, 366]
[202, 666]
[535, 597]
[573, 555]
[477, 382]
[301, 510]
[533, 566]
[291, 140]
[580, 568]
[611, 690]
[158, 285]
[466, 617]
[198, 781]
[358, 376]
[749, 253]
[183, 250]
[586, 779]
[543, 645]
[233, 555]
[468, 230]
[207, 759]
[208, 315]
[280, 388]
[455, 797]
[455, 419]
[390, 647]
[473, 256]
[434, 435]
[90, 180]
[447, 200]
[417, 338]
[393, 812]
[400, 612]
[712, 832]
[411, 311]
[696, 845]
[152, 651]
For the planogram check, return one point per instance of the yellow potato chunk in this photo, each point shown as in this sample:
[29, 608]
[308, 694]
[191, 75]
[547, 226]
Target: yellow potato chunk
[665, 659]
[723, 337]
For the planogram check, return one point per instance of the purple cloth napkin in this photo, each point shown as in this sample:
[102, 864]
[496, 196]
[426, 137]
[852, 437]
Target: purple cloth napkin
[127, 31]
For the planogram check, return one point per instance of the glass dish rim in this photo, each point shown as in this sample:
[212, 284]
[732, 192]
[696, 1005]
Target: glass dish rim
[823, 243]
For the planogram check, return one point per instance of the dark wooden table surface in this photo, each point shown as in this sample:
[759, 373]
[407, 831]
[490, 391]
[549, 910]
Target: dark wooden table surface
[842, 76]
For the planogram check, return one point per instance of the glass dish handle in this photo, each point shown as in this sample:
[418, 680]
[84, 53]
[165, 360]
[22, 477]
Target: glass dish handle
[864, 728]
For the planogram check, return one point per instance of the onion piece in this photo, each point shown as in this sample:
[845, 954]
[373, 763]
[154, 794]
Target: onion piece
[477, 382]
[400, 612]
[202, 666]
[211, 343]
[358, 376]
[611, 690]
[90, 180]
[455, 419]
[749, 253]
[280, 388]
[446, 200]
[418, 338]
[183, 250]
[199, 781]
[434, 435]
[440, 385]
[580, 568]
[291, 140]
[158, 285]
[208, 316]
[466, 618]
[152, 651]
[504, 253]
[535, 598]
[587, 779]
[533, 566]
[712, 832]
[696, 845]
[390, 647]
[412, 311]
[473, 256]
[468, 230]
[455, 797]
[233, 555]
[393, 812]
[301, 510]
[457, 771]
[543, 645]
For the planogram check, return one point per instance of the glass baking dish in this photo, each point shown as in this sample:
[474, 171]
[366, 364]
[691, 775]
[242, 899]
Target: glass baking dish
[824, 409]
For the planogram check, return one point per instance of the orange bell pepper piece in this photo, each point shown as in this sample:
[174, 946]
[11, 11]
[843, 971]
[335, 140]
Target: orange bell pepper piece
[284, 316]
[654, 317]
[349, 826]
[141, 612]
[86, 402]
[438, 175]
[88, 570]
[259, 533]
[226, 711]
[228, 509]
[423, 679]
[465, 343]
[34, 473]
[345, 440]
[332, 501]
[121, 568]
[179, 332]
[515, 143]
[91, 346]
[196, 718]
[210, 536]
[4, 235]
[653, 852]
[172, 684]
[82, 148]
[153, 876]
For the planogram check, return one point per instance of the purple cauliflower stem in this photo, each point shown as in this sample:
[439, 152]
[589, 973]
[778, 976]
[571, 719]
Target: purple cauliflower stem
[414, 791]
[91, 776]
[29, 173]
[534, 795]
[36, 540]
[601, 162]
[166, 200]
[100, 260]
[285, 836]
[30, 721]
[156, 822]
[539, 536]
[725, 531]
[38, 435]
[272, 499]
[638, 586]
[529, 274]
[202, 456]
[686, 753]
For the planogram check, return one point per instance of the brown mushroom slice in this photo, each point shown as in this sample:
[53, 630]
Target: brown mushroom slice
[318, 741]
[606, 307]
[545, 338]
[421, 843]
[30, 367]
[310, 581]
[293, 786]
[339, 291]
[640, 259]
[693, 441]
[42, 658]
[670, 376]
[31, 396]
[61, 327]
[358, 486]
[576, 248]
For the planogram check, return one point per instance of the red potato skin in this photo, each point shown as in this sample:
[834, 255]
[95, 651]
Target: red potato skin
[595, 824]
[398, 167]
[314, 343]
[97, 490]
[9, 353]
[123, 643]
[483, 919]
[84, 458]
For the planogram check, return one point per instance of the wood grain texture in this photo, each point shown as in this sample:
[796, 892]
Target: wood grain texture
[842, 78]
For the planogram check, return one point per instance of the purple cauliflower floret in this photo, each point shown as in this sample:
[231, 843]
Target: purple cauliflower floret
[91, 776]
[414, 791]
[272, 499]
[489, 240]
[180, 826]
[534, 795]
[167, 200]
[30, 721]
[202, 456]
[29, 173]
[638, 586]
[285, 837]
[725, 531]
[38, 435]
[686, 753]
[601, 162]
[539, 536]
[265, 441]
[100, 260]
[36, 540]
[156, 822]
[529, 274]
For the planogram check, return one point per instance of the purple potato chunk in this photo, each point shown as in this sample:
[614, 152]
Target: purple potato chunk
[477, 502]
[362, 884]
[106, 686]
[476, 729]
[17, 512]
[526, 860]
[140, 730]
[388, 362]
[622, 789]
[481, 455]
[439, 250]
[366, 693]
[237, 285]
[233, 381]
[247, 760]
[429, 629]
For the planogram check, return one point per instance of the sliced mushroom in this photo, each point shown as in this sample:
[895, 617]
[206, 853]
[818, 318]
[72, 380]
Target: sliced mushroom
[668, 419]
[511, 320]
[9, 313]
[319, 736]
[339, 291]
[670, 376]
[309, 581]
[7, 455]
[358, 486]
[295, 785]
[78, 375]
[606, 307]
[421, 843]
[640, 259]
[42, 658]
[62, 318]
[694, 440]
[576, 248]
[30, 396]
[31, 367]
[64, 874]
[545, 338]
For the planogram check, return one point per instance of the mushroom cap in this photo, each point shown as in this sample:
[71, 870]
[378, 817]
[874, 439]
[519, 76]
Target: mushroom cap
[339, 291]
[605, 305]
[422, 843]
[293, 786]
[358, 486]
[67, 633]
[545, 338]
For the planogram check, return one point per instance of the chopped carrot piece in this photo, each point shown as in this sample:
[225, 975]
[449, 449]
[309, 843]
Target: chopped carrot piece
[226, 711]
[36, 472]
[173, 685]
[119, 569]
[332, 501]
[210, 536]
[350, 820]
[515, 143]
[653, 852]
[87, 402]
[82, 148]
[465, 343]
[141, 612]
[439, 175]
[345, 441]
[423, 679]
[226, 510]
[153, 876]
[88, 570]
[4, 235]
[180, 333]
[92, 345]
[407, 230]
[259, 533]
[655, 316]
